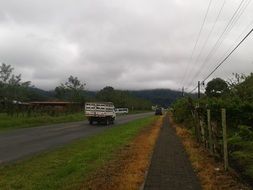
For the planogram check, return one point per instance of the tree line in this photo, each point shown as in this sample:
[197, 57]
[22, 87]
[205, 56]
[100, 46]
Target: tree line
[236, 95]
[15, 93]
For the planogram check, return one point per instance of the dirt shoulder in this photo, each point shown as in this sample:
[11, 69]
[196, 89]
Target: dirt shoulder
[210, 172]
[128, 168]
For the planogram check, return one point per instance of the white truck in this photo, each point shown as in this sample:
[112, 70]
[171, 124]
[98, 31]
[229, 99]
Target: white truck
[100, 112]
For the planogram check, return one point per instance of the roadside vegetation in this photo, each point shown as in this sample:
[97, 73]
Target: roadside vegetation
[138, 111]
[14, 92]
[68, 167]
[9, 122]
[123, 99]
[210, 172]
[131, 160]
[236, 96]
[22, 105]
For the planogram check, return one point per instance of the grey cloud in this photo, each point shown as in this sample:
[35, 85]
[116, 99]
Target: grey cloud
[126, 44]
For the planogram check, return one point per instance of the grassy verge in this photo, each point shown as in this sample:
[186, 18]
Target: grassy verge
[138, 111]
[68, 167]
[131, 160]
[8, 122]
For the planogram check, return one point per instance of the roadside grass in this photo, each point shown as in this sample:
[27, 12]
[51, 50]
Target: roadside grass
[131, 160]
[69, 166]
[8, 122]
[138, 111]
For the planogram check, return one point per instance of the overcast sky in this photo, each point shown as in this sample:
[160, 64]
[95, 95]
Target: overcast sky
[127, 44]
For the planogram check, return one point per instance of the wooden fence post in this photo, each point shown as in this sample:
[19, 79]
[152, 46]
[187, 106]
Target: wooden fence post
[210, 133]
[197, 126]
[202, 131]
[224, 129]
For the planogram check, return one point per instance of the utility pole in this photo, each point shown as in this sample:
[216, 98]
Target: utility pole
[225, 142]
[198, 89]
[183, 92]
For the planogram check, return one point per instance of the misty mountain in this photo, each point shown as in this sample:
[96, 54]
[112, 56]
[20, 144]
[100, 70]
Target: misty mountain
[162, 97]
[36, 94]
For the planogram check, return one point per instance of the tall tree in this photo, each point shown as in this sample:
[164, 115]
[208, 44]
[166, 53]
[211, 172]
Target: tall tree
[216, 87]
[122, 99]
[72, 90]
[245, 89]
[106, 94]
[5, 73]
[11, 86]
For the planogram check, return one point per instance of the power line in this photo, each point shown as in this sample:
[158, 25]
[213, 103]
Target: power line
[228, 55]
[225, 58]
[219, 41]
[209, 34]
[240, 14]
[231, 27]
[193, 89]
[197, 39]
[238, 38]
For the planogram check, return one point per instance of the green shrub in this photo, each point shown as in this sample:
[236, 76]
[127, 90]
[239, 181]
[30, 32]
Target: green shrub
[245, 133]
[182, 110]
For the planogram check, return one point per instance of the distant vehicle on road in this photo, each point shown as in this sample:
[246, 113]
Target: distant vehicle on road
[158, 111]
[100, 112]
[121, 110]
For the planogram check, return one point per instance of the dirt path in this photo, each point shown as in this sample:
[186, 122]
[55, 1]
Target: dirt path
[170, 167]
[128, 168]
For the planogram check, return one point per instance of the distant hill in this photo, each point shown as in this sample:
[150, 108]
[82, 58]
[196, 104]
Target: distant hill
[36, 94]
[162, 97]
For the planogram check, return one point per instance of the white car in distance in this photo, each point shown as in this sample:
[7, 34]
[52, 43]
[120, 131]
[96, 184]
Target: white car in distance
[121, 110]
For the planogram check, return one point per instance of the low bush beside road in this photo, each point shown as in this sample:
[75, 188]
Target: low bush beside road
[241, 151]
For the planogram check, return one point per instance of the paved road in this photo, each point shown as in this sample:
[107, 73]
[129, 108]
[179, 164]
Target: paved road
[170, 167]
[23, 142]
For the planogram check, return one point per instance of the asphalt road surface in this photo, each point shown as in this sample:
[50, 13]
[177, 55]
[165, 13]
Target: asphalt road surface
[21, 143]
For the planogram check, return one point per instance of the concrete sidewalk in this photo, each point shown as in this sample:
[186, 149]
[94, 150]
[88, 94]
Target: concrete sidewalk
[170, 167]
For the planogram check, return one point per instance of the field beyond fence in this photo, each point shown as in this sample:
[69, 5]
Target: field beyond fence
[8, 122]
